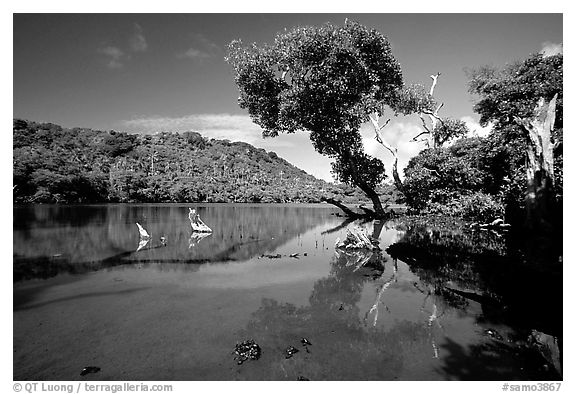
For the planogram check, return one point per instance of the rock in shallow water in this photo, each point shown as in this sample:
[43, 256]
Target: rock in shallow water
[247, 350]
[290, 351]
[87, 370]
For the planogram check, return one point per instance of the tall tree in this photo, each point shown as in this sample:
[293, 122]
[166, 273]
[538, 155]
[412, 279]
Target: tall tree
[525, 101]
[327, 80]
[330, 80]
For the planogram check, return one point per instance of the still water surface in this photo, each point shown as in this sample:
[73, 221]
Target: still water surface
[88, 293]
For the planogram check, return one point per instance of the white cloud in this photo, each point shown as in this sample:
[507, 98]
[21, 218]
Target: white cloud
[115, 56]
[370, 145]
[201, 49]
[551, 49]
[218, 126]
[193, 53]
[138, 41]
[475, 129]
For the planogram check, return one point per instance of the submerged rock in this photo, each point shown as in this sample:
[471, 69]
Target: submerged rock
[272, 256]
[88, 370]
[290, 351]
[494, 334]
[247, 350]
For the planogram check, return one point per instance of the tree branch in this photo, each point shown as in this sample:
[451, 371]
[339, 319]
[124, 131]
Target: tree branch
[431, 171]
[374, 120]
[438, 109]
[422, 133]
[433, 114]
[424, 124]
[385, 124]
[434, 82]
[343, 207]
[368, 211]
[378, 135]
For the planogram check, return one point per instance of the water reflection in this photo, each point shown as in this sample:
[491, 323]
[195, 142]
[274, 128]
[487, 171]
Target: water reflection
[433, 319]
[357, 333]
[437, 302]
[463, 267]
[479, 266]
[52, 239]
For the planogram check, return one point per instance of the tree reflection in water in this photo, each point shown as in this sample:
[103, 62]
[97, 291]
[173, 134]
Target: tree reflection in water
[463, 266]
[344, 347]
[347, 342]
[50, 240]
[455, 273]
[483, 267]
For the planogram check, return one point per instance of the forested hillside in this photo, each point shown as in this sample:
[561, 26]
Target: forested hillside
[57, 165]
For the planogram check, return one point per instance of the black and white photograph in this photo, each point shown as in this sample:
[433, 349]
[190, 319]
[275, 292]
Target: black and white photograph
[303, 196]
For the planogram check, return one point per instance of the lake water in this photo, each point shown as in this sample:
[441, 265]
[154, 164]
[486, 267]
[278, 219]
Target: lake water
[87, 292]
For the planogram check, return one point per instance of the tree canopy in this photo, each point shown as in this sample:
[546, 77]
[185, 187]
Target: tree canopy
[326, 80]
[515, 90]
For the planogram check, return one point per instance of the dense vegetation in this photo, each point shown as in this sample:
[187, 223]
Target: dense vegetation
[485, 178]
[54, 164]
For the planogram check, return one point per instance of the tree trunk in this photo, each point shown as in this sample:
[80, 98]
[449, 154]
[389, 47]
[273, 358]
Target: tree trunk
[344, 208]
[539, 198]
[397, 180]
[373, 196]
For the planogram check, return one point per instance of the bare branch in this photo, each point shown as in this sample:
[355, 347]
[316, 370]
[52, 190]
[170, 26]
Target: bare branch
[431, 171]
[385, 124]
[374, 120]
[438, 108]
[424, 124]
[434, 82]
[432, 114]
[378, 136]
[415, 139]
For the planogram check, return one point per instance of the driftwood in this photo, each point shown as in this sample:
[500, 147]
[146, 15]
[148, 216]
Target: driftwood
[197, 224]
[143, 233]
[357, 238]
[354, 258]
[142, 243]
[497, 224]
[195, 238]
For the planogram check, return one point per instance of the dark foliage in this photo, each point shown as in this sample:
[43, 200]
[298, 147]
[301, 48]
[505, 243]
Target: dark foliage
[52, 164]
[326, 80]
[481, 178]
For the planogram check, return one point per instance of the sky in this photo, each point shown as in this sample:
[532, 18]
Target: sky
[143, 73]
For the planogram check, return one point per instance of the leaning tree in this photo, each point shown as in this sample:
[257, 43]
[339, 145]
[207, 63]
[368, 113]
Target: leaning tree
[329, 80]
